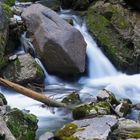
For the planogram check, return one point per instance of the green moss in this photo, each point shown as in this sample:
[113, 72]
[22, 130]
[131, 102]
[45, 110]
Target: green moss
[39, 72]
[107, 23]
[67, 132]
[22, 125]
[7, 11]
[81, 111]
[72, 99]
[135, 135]
[10, 2]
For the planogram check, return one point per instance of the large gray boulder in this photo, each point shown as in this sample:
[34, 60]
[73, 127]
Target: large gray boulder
[88, 129]
[60, 46]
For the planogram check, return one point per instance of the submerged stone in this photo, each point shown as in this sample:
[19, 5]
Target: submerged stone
[72, 99]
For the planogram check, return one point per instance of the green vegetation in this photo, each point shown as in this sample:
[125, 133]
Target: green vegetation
[22, 125]
[7, 11]
[67, 132]
[10, 2]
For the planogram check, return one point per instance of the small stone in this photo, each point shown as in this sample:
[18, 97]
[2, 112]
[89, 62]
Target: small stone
[105, 95]
[13, 57]
[72, 99]
[123, 109]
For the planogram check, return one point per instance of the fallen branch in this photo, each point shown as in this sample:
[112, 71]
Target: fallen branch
[30, 93]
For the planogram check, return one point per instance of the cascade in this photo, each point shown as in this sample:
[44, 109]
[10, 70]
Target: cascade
[101, 74]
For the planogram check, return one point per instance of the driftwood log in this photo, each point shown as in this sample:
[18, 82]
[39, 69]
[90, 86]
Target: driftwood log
[30, 93]
[5, 133]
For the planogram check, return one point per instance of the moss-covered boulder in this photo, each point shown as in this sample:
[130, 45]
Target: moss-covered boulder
[92, 109]
[23, 70]
[117, 31]
[21, 124]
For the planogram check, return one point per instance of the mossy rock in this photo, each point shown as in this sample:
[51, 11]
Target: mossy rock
[23, 70]
[3, 99]
[110, 25]
[67, 131]
[22, 125]
[92, 109]
[72, 99]
[105, 95]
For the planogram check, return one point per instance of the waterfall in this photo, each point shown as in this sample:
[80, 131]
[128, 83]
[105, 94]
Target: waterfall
[101, 72]
[99, 65]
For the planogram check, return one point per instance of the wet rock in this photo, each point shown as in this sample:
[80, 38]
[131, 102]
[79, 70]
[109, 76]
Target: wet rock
[46, 136]
[89, 129]
[134, 3]
[123, 108]
[117, 35]
[22, 125]
[127, 129]
[52, 4]
[92, 109]
[23, 70]
[72, 99]
[61, 47]
[105, 95]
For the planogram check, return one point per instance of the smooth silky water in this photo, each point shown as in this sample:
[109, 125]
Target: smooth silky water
[101, 74]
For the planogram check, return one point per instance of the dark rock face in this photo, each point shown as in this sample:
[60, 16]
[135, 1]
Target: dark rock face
[23, 70]
[76, 4]
[117, 30]
[60, 46]
[134, 3]
[52, 4]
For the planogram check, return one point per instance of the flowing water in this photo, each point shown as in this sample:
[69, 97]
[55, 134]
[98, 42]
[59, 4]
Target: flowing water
[101, 74]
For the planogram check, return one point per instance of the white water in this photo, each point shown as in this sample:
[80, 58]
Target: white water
[102, 74]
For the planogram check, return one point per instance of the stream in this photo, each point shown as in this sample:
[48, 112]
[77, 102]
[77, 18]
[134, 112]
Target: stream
[101, 74]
